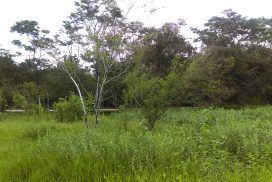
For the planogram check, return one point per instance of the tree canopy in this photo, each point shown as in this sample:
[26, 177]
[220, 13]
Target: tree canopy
[118, 61]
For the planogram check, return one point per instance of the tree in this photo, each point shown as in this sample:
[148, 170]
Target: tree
[206, 82]
[103, 24]
[37, 40]
[36, 45]
[248, 43]
[68, 61]
[66, 69]
[160, 46]
[235, 30]
[149, 94]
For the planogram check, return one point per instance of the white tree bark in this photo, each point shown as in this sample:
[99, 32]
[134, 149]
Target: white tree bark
[85, 119]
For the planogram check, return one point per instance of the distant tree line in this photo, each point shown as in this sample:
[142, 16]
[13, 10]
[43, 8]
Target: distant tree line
[119, 62]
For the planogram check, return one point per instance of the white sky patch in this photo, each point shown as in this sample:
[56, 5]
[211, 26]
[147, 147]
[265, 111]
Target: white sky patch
[51, 13]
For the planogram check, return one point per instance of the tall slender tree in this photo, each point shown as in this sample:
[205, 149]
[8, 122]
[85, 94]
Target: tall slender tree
[36, 44]
[102, 25]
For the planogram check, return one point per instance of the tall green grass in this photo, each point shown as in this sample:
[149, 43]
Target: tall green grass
[186, 145]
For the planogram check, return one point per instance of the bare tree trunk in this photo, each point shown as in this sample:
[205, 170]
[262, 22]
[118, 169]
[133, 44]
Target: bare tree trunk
[97, 117]
[99, 97]
[98, 106]
[39, 100]
[85, 119]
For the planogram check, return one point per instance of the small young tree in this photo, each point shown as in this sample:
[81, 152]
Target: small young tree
[148, 94]
[102, 34]
[102, 25]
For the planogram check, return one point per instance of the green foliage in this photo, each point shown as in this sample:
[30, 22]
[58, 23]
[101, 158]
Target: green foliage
[206, 81]
[155, 102]
[37, 39]
[134, 96]
[70, 109]
[188, 145]
[233, 66]
[150, 94]
[174, 87]
[123, 117]
[30, 91]
[160, 46]
[19, 100]
[7, 91]
[35, 132]
[3, 101]
[27, 99]
[9, 72]
[241, 54]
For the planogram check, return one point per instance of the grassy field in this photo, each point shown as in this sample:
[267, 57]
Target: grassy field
[186, 145]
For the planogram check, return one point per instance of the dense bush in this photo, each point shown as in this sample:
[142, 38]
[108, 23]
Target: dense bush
[68, 109]
[206, 82]
[149, 94]
[19, 100]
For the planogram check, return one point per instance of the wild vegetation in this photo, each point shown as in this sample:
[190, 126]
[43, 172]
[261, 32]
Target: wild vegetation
[186, 145]
[176, 118]
[99, 52]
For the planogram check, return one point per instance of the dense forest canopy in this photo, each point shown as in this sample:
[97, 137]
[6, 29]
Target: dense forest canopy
[118, 62]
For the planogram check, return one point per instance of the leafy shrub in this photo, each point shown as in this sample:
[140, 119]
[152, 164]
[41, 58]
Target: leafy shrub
[70, 109]
[205, 81]
[19, 100]
[154, 103]
[149, 94]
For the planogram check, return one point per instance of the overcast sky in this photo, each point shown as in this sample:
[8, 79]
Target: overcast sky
[51, 13]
